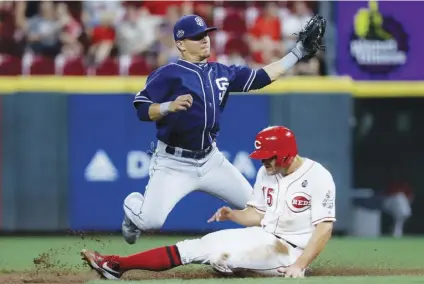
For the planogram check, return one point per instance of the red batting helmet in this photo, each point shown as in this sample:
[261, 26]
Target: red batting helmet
[276, 141]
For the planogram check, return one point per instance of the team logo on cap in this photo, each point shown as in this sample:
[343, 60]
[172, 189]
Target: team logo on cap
[199, 21]
[258, 145]
[299, 202]
[180, 34]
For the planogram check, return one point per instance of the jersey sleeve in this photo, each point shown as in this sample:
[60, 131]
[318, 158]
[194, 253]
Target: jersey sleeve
[323, 204]
[241, 79]
[257, 200]
[156, 90]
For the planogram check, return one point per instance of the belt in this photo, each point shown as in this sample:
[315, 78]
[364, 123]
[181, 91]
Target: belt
[189, 154]
[292, 244]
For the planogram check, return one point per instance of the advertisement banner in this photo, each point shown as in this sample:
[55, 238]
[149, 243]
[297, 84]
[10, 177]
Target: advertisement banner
[109, 159]
[379, 40]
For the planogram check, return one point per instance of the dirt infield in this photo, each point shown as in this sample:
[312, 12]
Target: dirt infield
[49, 270]
[67, 276]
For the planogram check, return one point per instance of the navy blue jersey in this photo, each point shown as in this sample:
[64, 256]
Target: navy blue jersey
[209, 84]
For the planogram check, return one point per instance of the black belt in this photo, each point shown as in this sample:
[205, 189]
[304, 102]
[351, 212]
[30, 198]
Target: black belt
[190, 154]
[292, 244]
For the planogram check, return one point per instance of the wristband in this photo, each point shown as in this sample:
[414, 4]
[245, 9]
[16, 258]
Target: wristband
[289, 60]
[299, 51]
[164, 108]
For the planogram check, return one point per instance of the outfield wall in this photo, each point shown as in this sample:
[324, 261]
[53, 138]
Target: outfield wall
[73, 148]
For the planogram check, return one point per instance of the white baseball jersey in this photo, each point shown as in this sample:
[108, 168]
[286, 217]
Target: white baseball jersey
[294, 204]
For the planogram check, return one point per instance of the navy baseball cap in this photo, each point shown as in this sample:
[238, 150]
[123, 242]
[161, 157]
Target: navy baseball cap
[190, 26]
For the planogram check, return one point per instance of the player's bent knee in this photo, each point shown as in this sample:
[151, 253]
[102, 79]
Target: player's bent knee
[133, 200]
[132, 208]
[143, 219]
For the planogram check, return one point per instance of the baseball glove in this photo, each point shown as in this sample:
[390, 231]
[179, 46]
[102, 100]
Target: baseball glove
[311, 35]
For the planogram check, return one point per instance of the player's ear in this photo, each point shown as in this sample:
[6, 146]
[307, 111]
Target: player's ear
[180, 45]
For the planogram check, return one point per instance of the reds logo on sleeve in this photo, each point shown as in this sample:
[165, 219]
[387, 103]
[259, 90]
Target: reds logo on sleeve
[299, 202]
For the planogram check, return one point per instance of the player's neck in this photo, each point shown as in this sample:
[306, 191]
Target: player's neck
[297, 163]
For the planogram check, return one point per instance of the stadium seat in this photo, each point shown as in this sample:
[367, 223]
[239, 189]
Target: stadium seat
[109, 67]
[10, 66]
[42, 66]
[74, 67]
[139, 67]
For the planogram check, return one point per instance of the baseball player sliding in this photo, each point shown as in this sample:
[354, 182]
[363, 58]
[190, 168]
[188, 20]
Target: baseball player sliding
[185, 100]
[288, 221]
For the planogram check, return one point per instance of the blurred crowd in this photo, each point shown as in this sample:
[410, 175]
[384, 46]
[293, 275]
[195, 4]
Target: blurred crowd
[134, 37]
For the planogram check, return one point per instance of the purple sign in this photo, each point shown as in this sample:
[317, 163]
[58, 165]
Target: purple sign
[380, 40]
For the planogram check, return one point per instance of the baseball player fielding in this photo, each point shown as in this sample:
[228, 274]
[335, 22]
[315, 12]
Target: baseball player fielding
[185, 100]
[288, 221]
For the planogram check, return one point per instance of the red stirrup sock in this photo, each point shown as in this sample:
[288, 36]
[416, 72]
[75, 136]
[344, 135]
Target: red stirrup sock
[157, 259]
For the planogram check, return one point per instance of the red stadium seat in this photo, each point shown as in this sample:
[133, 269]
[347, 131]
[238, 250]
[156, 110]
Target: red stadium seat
[109, 67]
[139, 67]
[42, 66]
[10, 66]
[74, 67]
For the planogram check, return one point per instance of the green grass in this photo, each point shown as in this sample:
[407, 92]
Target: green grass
[383, 252]
[311, 280]
[18, 253]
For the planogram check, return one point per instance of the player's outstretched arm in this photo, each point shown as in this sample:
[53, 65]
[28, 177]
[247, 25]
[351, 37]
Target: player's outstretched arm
[307, 46]
[248, 217]
[277, 69]
[316, 244]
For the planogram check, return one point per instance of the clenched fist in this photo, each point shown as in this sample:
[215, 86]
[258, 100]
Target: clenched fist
[222, 214]
[181, 103]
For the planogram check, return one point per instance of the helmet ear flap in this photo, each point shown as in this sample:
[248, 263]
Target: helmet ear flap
[281, 161]
[285, 161]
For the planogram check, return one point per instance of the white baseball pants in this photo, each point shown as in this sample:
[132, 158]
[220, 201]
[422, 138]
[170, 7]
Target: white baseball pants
[236, 250]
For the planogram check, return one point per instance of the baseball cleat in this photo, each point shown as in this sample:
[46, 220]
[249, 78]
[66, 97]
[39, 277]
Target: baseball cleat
[130, 231]
[105, 266]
